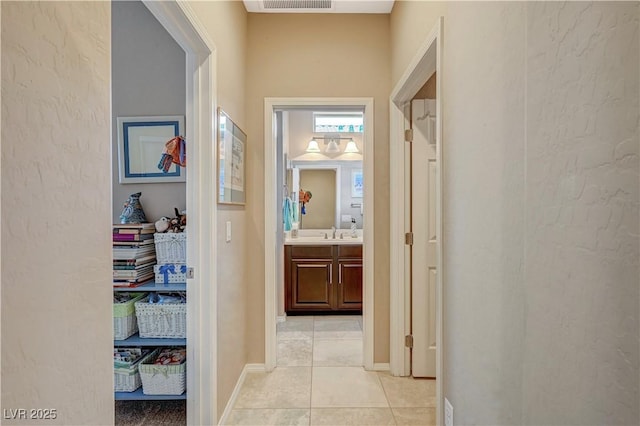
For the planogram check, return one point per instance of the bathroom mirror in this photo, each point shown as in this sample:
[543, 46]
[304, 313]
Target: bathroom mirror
[332, 202]
[231, 161]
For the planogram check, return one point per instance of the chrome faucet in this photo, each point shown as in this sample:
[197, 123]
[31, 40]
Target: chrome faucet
[333, 232]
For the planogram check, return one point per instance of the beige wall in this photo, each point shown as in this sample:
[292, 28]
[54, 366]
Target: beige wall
[541, 196]
[226, 23]
[317, 56]
[56, 210]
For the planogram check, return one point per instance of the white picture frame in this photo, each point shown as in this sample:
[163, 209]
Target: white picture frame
[141, 141]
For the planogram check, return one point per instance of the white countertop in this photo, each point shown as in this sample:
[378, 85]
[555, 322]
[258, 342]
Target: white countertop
[316, 237]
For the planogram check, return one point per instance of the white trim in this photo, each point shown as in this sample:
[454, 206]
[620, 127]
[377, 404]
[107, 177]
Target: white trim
[270, 205]
[381, 366]
[181, 23]
[248, 368]
[417, 73]
[281, 318]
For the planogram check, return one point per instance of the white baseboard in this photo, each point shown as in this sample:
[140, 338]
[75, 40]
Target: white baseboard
[384, 366]
[248, 368]
[281, 318]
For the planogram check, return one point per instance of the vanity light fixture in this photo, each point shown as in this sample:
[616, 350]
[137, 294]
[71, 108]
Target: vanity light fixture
[351, 146]
[332, 147]
[313, 146]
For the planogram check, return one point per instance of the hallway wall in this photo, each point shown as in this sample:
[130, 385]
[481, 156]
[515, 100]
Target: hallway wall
[226, 24]
[317, 55]
[541, 148]
[56, 209]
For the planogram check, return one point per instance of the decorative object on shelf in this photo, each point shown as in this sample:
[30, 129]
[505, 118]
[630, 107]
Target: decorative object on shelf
[124, 315]
[170, 273]
[132, 210]
[162, 320]
[231, 161]
[171, 247]
[162, 224]
[141, 139]
[174, 152]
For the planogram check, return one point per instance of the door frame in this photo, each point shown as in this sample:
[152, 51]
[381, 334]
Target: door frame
[270, 219]
[428, 59]
[181, 23]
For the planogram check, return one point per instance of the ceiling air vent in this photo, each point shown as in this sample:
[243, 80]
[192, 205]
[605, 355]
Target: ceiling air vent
[297, 4]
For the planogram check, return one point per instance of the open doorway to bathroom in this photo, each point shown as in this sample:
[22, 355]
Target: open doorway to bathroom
[319, 277]
[318, 305]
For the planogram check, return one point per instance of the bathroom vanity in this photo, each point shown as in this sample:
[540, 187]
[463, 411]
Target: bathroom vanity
[323, 275]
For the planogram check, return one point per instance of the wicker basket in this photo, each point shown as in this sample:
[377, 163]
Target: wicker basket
[126, 378]
[124, 318]
[171, 247]
[169, 273]
[163, 379]
[161, 320]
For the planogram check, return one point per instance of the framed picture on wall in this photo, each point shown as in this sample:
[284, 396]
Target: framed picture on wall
[231, 161]
[356, 183]
[141, 141]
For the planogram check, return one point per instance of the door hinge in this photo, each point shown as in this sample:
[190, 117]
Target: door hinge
[408, 238]
[190, 273]
[408, 135]
[408, 341]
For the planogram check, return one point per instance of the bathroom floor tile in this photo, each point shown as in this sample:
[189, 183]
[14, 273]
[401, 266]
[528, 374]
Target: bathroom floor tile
[284, 387]
[415, 416]
[407, 391]
[336, 325]
[294, 353]
[352, 416]
[337, 353]
[269, 416]
[346, 387]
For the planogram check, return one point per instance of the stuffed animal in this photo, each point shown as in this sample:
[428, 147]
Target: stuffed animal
[162, 224]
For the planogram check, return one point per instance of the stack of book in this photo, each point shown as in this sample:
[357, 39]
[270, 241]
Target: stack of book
[134, 254]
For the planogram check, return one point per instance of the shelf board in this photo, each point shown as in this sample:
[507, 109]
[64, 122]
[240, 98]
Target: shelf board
[137, 395]
[136, 340]
[153, 286]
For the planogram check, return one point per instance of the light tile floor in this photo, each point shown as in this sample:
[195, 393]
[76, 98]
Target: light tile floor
[319, 380]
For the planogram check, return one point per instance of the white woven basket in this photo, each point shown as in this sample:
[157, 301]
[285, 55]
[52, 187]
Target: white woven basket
[171, 247]
[125, 323]
[161, 320]
[127, 379]
[169, 273]
[163, 379]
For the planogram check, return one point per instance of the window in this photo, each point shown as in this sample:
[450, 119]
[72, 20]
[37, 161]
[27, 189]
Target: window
[338, 122]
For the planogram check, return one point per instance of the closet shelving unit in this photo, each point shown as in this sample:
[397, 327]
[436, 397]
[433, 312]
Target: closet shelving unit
[136, 340]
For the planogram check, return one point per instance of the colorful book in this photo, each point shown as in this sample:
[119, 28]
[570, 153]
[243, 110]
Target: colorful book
[129, 267]
[133, 243]
[135, 261]
[132, 237]
[127, 231]
[131, 283]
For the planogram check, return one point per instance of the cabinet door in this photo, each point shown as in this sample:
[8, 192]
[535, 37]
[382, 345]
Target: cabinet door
[311, 284]
[349, 288]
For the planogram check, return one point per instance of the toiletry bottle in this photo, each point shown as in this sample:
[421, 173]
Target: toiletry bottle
[354, 234]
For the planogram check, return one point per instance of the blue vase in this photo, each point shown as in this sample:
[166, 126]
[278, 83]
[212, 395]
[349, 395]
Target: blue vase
[132, 211]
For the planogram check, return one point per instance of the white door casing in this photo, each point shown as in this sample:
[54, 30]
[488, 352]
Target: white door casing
[423, 226]
[271, 204]
[428, 58]
[181, 23]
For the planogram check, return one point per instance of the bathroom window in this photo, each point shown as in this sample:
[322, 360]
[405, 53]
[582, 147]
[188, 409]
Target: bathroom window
[338, 122]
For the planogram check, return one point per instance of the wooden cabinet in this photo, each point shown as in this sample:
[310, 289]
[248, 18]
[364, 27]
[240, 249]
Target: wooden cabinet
[323, 278]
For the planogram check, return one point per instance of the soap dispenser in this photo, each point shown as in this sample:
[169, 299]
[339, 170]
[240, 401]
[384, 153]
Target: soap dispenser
[354, 234]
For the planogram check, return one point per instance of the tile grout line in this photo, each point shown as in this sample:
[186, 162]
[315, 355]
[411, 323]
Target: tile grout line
[384, 390]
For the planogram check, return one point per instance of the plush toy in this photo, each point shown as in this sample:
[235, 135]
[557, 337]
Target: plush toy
[162, 224]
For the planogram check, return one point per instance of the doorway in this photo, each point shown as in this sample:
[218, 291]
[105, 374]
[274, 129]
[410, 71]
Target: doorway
[276, 161]
[408, 266]
[201, 327]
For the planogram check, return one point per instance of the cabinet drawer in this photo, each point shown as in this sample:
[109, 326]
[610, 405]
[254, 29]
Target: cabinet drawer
[350, 251]
[311, 252]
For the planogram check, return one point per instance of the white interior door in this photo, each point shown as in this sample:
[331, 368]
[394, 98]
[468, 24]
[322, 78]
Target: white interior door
[423, 227]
